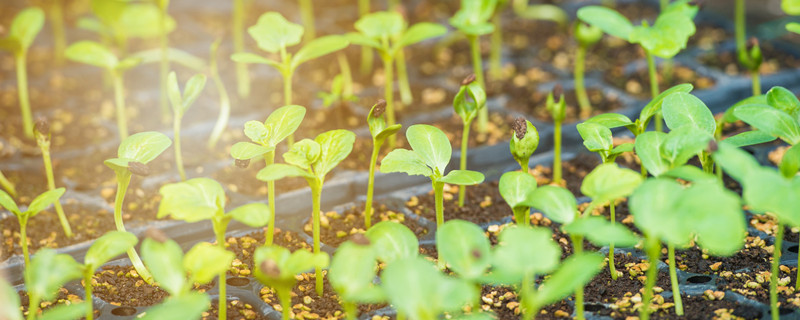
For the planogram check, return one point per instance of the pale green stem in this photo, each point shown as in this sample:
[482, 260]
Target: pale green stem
[438, 194]
[123, 180]
[347, 76]
[388, 91]
[287, 101]
[756, 82]
[224, 103]
[22, 90]
[524, 166]
[557, 153]
[219, 229]
[528, 312]
[8, 185]
[522, 215]
[316, 195]
[371, 184]
[23, 238]
[611, 267]
[654, 90]
[33, 305]
[580, 88]
[87, 285]
[577, 248]
[285, 296]
[773, 278]
[402, 78]
[366, 52]
[242, 73]
[477, 65]
[119, 101]
[269, 158]
[739, 27]
[351, 310]
[164, 63]
[495, 53]
[51, 185]
[59, 37]
[463, 165]
[176, 128]
[653, 253]
[673, 278]
[307, 15]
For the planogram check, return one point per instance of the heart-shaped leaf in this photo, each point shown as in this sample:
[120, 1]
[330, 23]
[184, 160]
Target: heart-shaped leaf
[431, 144]
[252, 214]
[557, 203]
[274, 33]
[206, 261]
[608, 20]
[464, 248]
[610, 182]
[192, 200]
[335, 145]
[392, 241]
[144, 146]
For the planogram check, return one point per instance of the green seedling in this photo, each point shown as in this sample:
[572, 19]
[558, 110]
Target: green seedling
[224, 100]
[517, 188]
[748, 52]
[598, 138]
[275, 34]
[202, 199]
[380, 131]
[180, 103]
[42, 133]
[23, 30]
[11, 307]
[105, 248]
[469, 101]
[133, 155]
[587, 36]
[704, 212]
[8, 185]
[776, 114]
[366, 52]
[606, 183]
[118, 21]
[266, 136]
[338, 92]
[93, 53]
[523, 253]
[176, 273]
[473, 21]
[313, 160]
[48, 272]
[791, 7]
[387, 33]
[38, 204]
[464, 249]
[557, 106]
[240, 7]
[668, 35]
[524, 142]
[276, 267]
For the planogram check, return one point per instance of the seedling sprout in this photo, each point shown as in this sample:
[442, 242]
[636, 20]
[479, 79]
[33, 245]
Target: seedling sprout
[180, 103]
[42, 133]
[380, 131]
[38, 204]
[276, 267]
[468, 103]
[523, 142]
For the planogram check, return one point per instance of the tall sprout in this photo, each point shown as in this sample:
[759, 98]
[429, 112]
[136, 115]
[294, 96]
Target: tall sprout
[180, 103]
[380, 131]
[586, 36]
[469, 101]
[42, 133]
[224, 99]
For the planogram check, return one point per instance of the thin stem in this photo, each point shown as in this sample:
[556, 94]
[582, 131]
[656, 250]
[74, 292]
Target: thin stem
[756, 82]
[350, 309]
[176, 127]
[371, 184]
[577, 248]
[284, 294]
[739, 21]
[673, 278]
[164, 63]
[23, 238]
[316, 195]
[654, 90]
[51, 185]
[24, 99]
[33, 305]
[522, 215]
[269, 158]
[219, 230]
[388, 91]
[402, 78]
[8, 185]
[477, 66]
[773, 278]
[87, 285]
[123, 180]
[463, 166]
[495, 51]
[653, 253]
[438, 194]
[59, 37]
[580, 88]
[347, 76]
[528, 312]
[224, 102]
[366, 52]
[287, 100]
[119, 100]
[557, 153]
[242, 73]
[611, 267]
[307, 15]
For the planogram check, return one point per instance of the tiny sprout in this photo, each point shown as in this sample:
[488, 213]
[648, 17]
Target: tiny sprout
[380, 132]
[468, 103]
[557, 106]
[276, 267]
[38, 204]
[524, 142]
[180, 104]
[105, 248]
[587, 36]
[48, 272]
[751, 58]
[42, 134]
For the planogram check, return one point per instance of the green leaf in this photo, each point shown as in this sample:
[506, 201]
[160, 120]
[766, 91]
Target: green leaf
[192, 90]
[682, 109]
[463, 177]
[303, 154]
[141, 20]
[283, 122]
[187, 306]
[144, 146]
[516, 188]
[126, 64]
[388, 132]
[8, 202]
[392, 241]
[192, 200]
[791, 7]
[602, 232]
[110, 245]
[247, 150]
[608, 20]
[49, 271]
[335, 145]
[648, 148]
[379, 25]
[770, 120]
[609, 182]
[318, 47]
[716, 217]
[44, 200]
[177, 56]
[791, 162]
[174, 93]
[667, 36]
[749, 138]
[464, 248]
[556, 202]
[596, 137]
[420, 32]
[734, 161]
[406, 161]
[279, 171]
[729, 117]
[576, 271]
[165, 262]
[11, 302]
[352, 273]
[522, 149]
[793, 27]
[653, 207]
[690, 173]
[431, 144]
[257, 132]
[288, 264]
[610, 120]
[473, 17]
[206, 261]
[26, 25]
[654, 106]
[682, 144]
[273, 32]
[523, 250]
[252, 214]
[363, 40]
[92, 53]
[66, 311]
[783, 99]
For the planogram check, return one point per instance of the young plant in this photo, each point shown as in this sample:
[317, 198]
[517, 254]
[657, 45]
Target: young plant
[93, 53]
[469, 101]
[180, 103]
[387, 33]
[224, 100]
[380, 131]
[23, 30]
[133, 155]
[118, 21]
[42, 133]
[277, 267]
[606, 183]
[523, 253]
[48, 272]
[587, 36]
[473, 21]
[429, 155]
[516, 188]
[38, 204]
[8, 185]
[240, 7]
[176, 273]
[313, 160]
[776, 115]
[275, 34]
[201, 199]
[524, 142]
[338, 92]
[668, 35]
[704, 212]
[266, 136]
[105, 248]
[10, 306]
[558, 111]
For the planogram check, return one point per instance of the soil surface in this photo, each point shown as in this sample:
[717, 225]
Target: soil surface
[237, 310]
[338, 227]
[775, 60]
[637, 83]
[245, 247]
[483, 204]
[572, 172]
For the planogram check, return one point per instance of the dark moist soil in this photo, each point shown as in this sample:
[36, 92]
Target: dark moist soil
[622, 214]
[244, 181]
[572, 172]
[505, 305]
[538, 219]
[755, 286]
[344, 115]
[122, 286]
[534, 103]
[304, 296]
[694, 307]
[62, 297]
[637, 83]
[237, 310]
[245, 247]
[338, 227]
[604, 289]
[755, 256]
[560, 52]
[483, 204]
[775, 60]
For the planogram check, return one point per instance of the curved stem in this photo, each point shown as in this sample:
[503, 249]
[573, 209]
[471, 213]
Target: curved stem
[123, 180]
[219, 230]
[224, 102]
[580, 88]
[773, 278]
[371, 185]
[24, 99]
[8, 185]
[176, 128]
[119, 101]
[653, 253]
[557, 153]
[577, 248]
[269, 158]
[402, 78]
[388, 92]
[87, 285]
[307, 15]
[654, 90]
[242, 73]
[673, 278]
[316, 195]
[477, 66]
[463, 165]
[611, 267]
